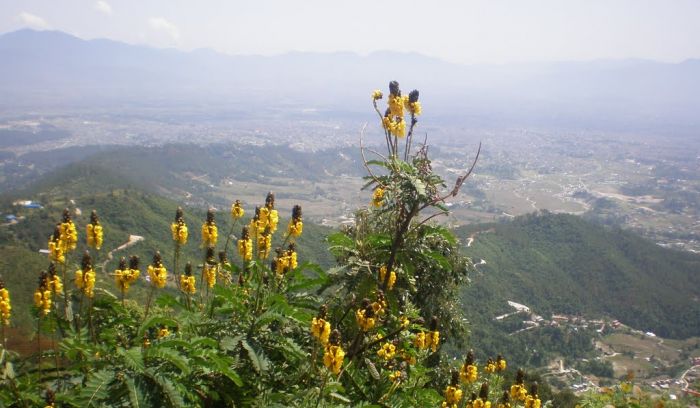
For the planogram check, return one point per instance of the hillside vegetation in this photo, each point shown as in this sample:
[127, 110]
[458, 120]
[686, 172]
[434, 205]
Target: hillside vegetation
[557, 263]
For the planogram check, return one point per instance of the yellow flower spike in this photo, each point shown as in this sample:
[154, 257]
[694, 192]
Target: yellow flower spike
[85, 276]
[187, 281]
[396, 105]
[395, 376]
[334, 354]
[68, 233]
[365, 316]
[56, 252]
[5, 305]
[500, 363]
[296, 226]
[320, 329]
[245, 246]
[453, 394]
[490, 367]
[264, 245]
[93, 231]
[382, 276]
[210, 275]
[533, 400]
[377, 94]
[210, 233]
[469, 372]
[419, 341]
[157, 272]
[42, 295]
[237, 211]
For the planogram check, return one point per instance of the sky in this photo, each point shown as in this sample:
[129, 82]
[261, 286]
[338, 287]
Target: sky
[466, 31]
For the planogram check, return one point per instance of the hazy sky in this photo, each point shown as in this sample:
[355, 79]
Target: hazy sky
[465, 31]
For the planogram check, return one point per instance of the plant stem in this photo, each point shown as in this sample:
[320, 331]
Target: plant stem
[148, 302]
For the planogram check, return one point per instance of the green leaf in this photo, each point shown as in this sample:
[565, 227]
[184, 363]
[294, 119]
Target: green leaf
[171, 356]
[260, 362]
[156, 321]
[133, 358]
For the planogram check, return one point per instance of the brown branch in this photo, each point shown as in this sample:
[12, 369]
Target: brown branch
[415, 227]
[458, 183]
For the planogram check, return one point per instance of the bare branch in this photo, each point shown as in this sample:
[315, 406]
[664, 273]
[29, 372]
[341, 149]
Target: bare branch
[362, 151]
[415, 227]
[460, 180]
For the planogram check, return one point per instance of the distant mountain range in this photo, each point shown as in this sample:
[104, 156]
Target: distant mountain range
[52, 69]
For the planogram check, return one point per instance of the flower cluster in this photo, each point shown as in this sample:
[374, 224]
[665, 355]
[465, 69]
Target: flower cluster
[68, 232]
[157, 272]
[430, 339]
[179, 228]
[393, 120]
[42, 295]
[453, 394]
[320, 328]
[391, 279]
[378, 197]
[245, 245]
[210, 234]
[126, 275]
[54, 281]
[85, 276]
[187, 281]
[334, 354]
[56, 252]
[285, 260]
[5, 305]
[366, 316]
[469, 372]
[209, 268]
[296, 226]
[93, 231]
[237, 211]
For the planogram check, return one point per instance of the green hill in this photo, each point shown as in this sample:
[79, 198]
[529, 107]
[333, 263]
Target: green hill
[557, 263]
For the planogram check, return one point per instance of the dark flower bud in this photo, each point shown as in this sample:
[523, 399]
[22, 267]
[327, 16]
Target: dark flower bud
[188, 269]
[394, 88]
[484, 391]
[122, 263]
[94, 219]
[413, 96]
[455, 378]
[178, 214]
[134, 262]
[86, 263]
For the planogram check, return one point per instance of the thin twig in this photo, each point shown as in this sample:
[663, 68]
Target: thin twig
[362, 151]
[415, 227]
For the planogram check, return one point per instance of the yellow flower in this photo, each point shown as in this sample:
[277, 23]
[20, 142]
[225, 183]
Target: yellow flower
[295, 228]
[500, 363]
[518, 392]
[333, 358]
[453, 394]
[419, 341]
[210, 274]
[245, 249]
[55, 284]
[5, 305]
[69, 236]
[382, 277]
[363, 321]
[378, 197]
[395, 376]
[532, 402]
[468, 373]
[479, 403]
[157, 272]
[237, 210]
[432, 340]
[264, 245]
[320, 329]
[377, 94]
[179, 231]
[414, 108]
[94, 235]
[163, 332]
[387, 351]
[490, 366]
[56, 252]
[187, 284]
[210, 234]
[85, 281]
[396, 105]
[42, 300]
